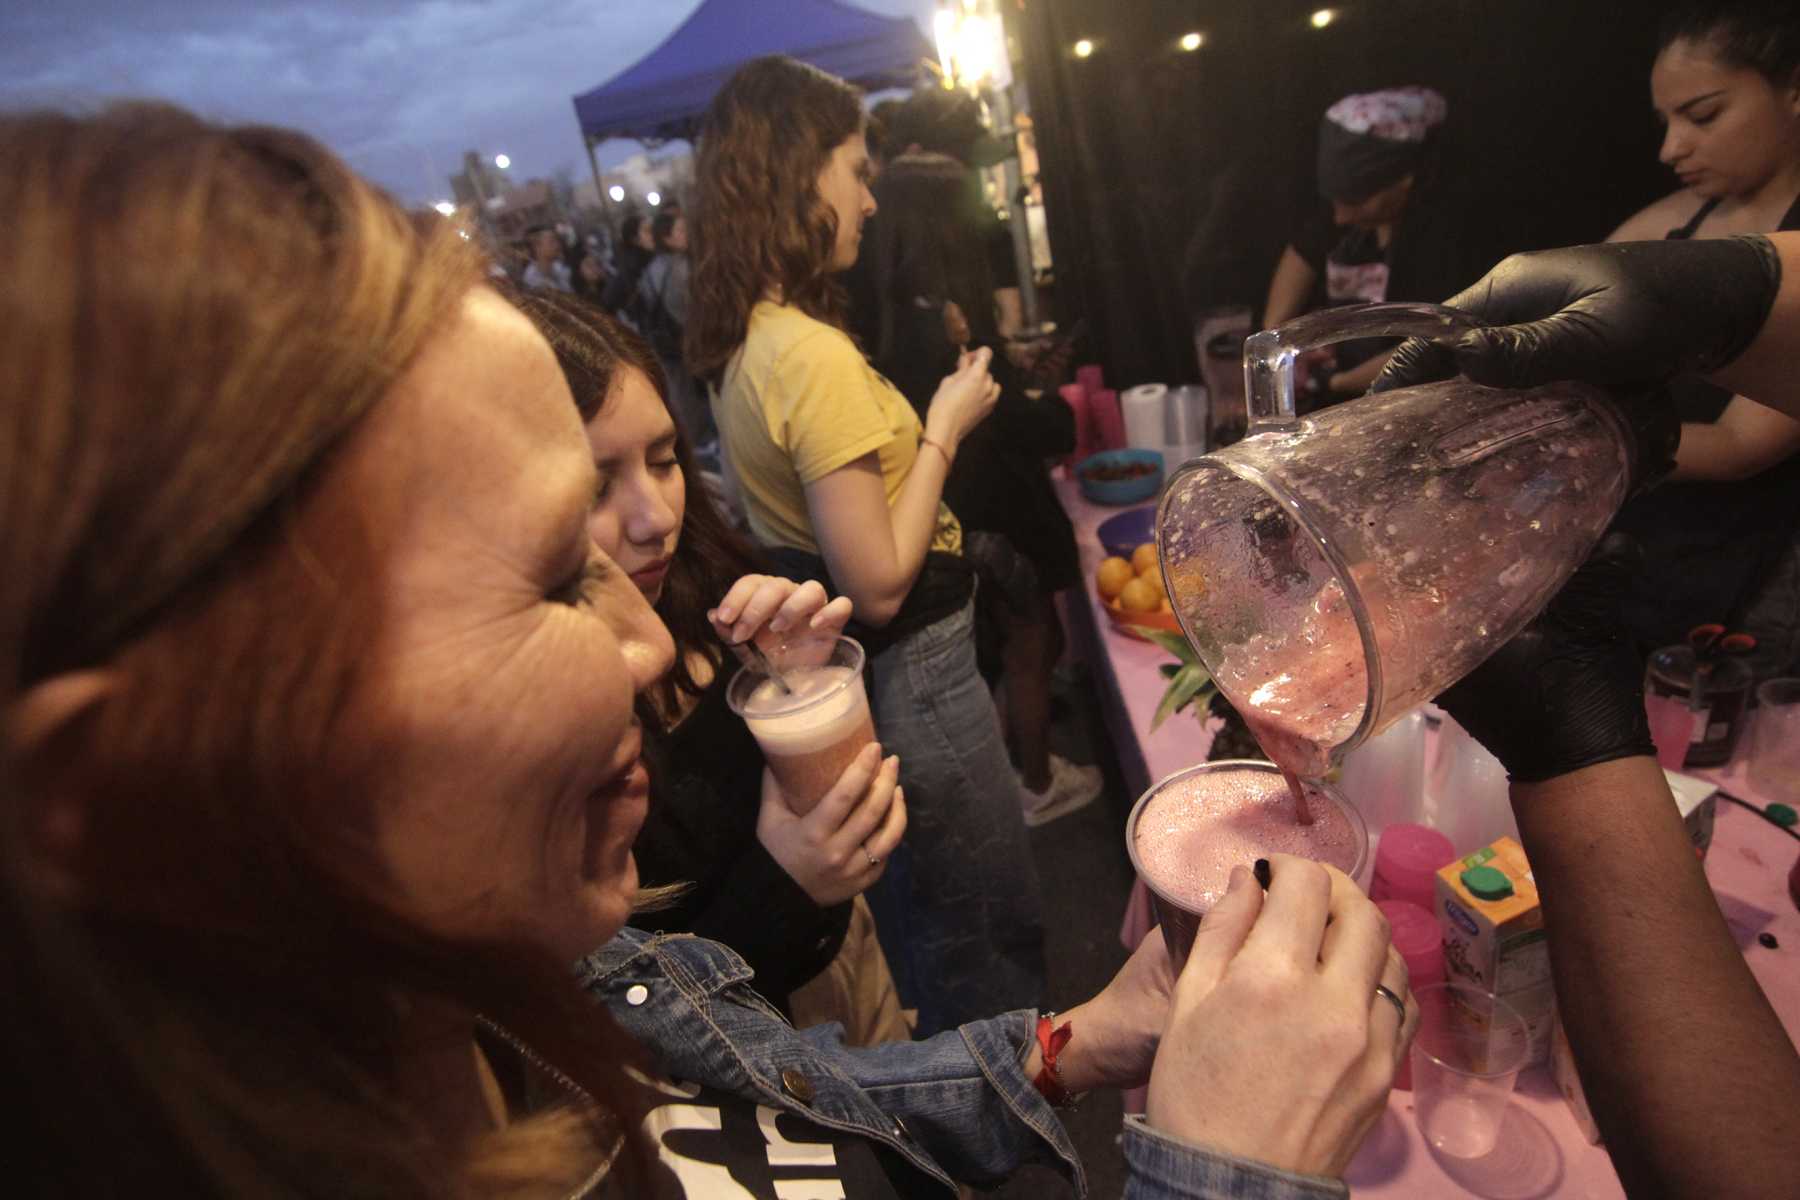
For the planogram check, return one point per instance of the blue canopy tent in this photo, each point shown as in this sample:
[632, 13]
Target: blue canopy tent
[663, 95]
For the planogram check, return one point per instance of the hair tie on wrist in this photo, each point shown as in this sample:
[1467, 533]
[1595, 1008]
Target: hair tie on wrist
[925, 441]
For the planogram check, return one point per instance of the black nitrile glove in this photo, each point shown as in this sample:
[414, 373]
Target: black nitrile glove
[1630, 314]
[1568, 691]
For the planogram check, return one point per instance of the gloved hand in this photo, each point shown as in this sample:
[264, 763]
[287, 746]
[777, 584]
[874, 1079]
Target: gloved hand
[1568, 691]
[1630, 314]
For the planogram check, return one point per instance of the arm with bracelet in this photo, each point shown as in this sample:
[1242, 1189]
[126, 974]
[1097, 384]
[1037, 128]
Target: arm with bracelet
[875, 549]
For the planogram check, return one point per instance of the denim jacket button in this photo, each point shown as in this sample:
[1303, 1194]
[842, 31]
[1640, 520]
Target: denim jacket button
[901, 1131]
[636, 994]
[797, 1085]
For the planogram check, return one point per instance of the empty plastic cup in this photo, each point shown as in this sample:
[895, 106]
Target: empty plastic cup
[1465, 1060]
[1774, 766]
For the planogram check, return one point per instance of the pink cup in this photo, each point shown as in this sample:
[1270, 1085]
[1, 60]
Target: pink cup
[1090, 377]
[1108, 421]
[1406, 864]
[1421, 944]
[1075, 396]
[1671, 728]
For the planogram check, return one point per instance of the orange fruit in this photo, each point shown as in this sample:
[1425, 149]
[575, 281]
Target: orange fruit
[1112, 577]
[1143, 559]
[1140, 595]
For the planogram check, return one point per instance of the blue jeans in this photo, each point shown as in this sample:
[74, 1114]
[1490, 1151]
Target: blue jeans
[957, 910]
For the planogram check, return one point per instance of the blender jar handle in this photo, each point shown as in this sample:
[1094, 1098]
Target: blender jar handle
[1269, 356]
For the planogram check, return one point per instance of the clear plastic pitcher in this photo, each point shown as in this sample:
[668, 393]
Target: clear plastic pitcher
[1336, 570]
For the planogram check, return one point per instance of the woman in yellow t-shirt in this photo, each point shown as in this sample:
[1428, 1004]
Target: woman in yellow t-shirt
[842, 482]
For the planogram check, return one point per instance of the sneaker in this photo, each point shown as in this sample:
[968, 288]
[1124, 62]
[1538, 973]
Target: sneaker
[1071, 788]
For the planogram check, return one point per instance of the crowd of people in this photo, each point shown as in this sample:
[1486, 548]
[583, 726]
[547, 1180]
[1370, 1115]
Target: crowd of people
[374, 819]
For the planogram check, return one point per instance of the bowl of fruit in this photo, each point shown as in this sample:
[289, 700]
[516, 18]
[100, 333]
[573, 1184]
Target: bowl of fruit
[1120, 476]
[1132, 591]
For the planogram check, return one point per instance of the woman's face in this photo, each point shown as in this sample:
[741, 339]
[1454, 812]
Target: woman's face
[641, 496]
[1728, 128]
[1382, 208]
[498, 698]
[844, 186]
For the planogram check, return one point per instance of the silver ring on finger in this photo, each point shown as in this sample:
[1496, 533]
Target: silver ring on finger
[873, 860]
[1393, 999]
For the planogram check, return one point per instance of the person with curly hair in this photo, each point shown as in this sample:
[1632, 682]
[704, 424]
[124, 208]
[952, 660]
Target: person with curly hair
[843, 482]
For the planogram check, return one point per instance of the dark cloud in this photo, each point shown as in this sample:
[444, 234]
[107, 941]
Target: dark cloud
[399, 88]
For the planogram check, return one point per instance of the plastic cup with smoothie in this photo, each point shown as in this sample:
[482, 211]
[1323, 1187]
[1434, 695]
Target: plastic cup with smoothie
[811, 733]
[1186, 833]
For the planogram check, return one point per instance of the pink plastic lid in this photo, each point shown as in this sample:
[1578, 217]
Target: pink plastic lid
[1416, 937]
[1413, 850]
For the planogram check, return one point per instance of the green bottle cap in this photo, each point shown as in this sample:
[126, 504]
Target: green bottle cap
[1782, 814]
[1487, 883]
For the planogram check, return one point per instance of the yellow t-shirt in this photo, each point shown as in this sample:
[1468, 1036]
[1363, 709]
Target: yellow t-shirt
[795, 403]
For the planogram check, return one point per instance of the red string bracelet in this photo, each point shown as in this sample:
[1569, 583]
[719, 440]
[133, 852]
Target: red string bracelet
[1051, 1038]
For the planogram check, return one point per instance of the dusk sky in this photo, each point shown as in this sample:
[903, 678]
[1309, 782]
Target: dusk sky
[400, 88]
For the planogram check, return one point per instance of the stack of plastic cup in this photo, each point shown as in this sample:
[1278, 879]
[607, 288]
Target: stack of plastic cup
[1416, 937]
[1109, 422]
[1406, 864]
[1075, 396]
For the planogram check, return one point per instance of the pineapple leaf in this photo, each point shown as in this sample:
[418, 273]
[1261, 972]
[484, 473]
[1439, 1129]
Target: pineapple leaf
[1174, 643]
[1188, 683]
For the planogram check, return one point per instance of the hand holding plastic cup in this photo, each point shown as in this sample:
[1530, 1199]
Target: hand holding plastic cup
[1465, 1060]
[810, 734]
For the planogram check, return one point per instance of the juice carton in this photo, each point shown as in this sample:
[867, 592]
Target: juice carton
[1487, 908]
[1562, 1069]
[1697, 801]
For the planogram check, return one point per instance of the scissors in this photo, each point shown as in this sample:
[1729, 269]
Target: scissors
[1710, 641]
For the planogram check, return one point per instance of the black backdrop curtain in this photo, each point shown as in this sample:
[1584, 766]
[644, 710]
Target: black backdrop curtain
[1173, 179]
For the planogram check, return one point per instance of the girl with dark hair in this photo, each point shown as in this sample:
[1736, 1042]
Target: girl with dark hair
[783, 891]
[316, 715]
[1721, 537]
[936, 299]
[843, 482]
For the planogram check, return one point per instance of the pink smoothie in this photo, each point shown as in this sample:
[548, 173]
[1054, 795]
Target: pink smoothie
[1198, 826]
[1303, 693]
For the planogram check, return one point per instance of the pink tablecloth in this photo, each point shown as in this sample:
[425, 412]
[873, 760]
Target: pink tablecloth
[1541, 1152]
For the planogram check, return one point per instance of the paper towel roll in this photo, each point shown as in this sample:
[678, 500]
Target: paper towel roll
[1142, 408]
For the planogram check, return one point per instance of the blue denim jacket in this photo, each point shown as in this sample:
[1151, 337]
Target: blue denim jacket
[957, 1106]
